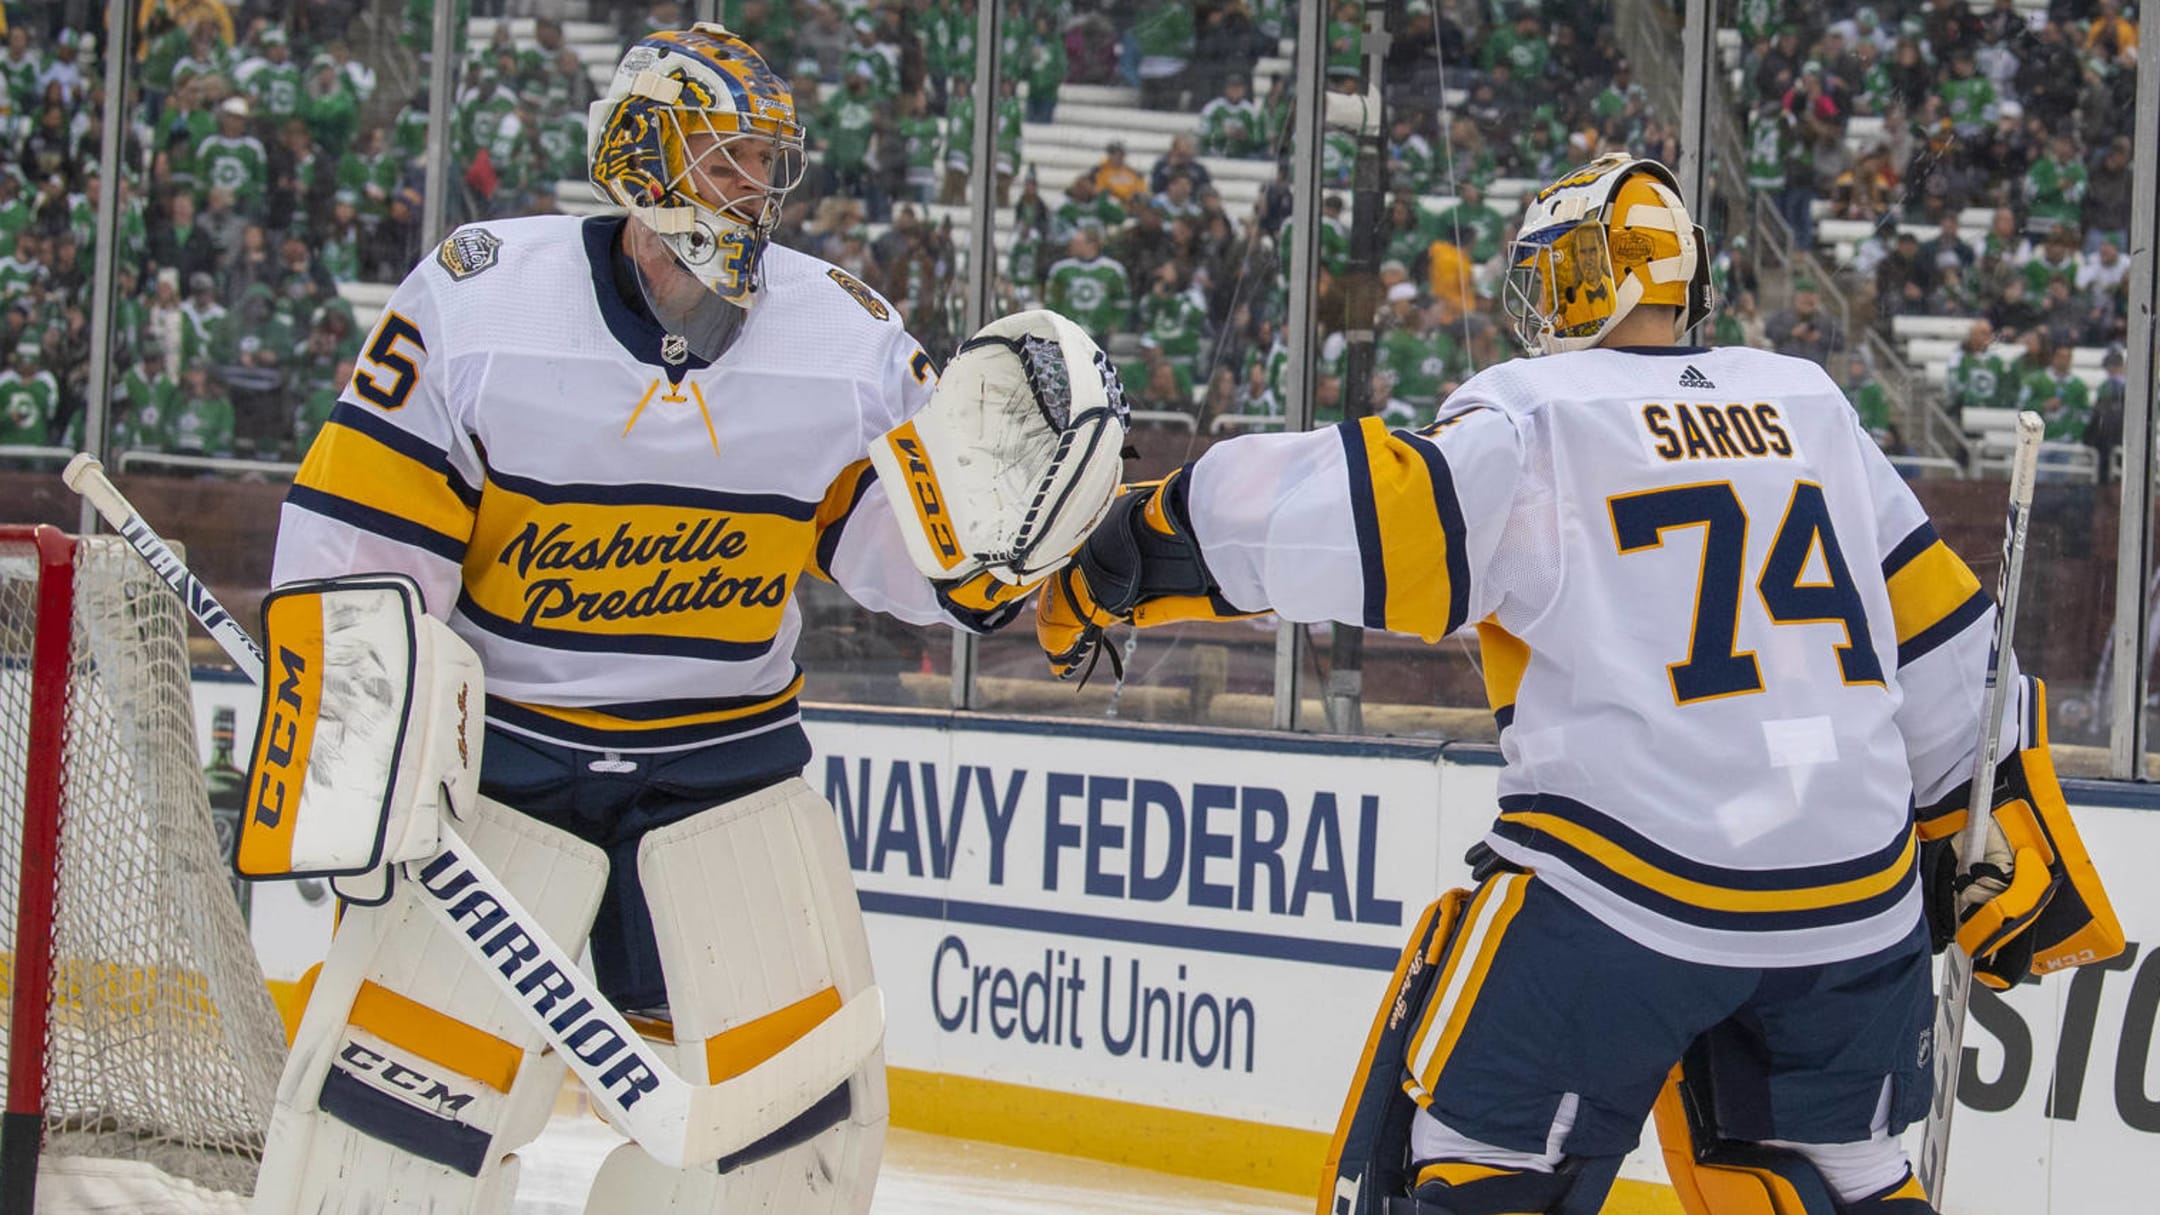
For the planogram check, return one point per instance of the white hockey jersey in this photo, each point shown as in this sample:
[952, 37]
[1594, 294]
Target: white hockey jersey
[616, 527]
[1725, 647]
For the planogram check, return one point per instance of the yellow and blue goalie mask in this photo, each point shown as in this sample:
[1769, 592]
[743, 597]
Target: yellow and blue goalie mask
[1597, 243]
[698, 140]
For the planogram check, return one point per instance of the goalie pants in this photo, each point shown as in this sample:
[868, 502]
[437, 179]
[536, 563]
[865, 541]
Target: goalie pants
[1539, 1000]
[612, 800]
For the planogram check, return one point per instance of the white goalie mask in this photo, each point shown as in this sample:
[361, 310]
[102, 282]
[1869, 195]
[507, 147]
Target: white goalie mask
[697, 138]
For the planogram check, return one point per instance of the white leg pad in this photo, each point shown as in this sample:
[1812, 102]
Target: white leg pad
[411, 1079]
[760, 937]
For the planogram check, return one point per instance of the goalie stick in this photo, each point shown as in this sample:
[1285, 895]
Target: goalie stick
[681, 1124]
[1949, 1034]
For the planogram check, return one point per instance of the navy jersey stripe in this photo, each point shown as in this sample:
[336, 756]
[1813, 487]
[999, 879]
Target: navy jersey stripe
[1639, 895]
[782, 751]
[648, 493]
[1636, 844]
[1366, 517]
[380, 523]
[1922, 538]
[1926, 640]
[829, 541]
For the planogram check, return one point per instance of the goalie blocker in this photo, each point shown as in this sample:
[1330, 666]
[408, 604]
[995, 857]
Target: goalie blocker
[422, 1063]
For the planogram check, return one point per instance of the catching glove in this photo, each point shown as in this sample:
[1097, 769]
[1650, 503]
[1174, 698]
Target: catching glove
[1014, 459]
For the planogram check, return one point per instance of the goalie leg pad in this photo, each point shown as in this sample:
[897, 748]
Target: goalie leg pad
[411, 1080]
[1368, 1159]
[761, 938]
[1713, 1175]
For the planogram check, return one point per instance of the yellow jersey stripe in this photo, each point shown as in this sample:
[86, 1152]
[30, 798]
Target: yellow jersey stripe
[347, 463]
[1928, 589]
[1704, 894]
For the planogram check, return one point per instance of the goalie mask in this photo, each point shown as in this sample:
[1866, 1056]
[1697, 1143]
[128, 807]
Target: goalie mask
[698, 140]
[1604, 239]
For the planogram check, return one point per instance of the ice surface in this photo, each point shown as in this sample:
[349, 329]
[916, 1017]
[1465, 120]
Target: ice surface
[927, 1175]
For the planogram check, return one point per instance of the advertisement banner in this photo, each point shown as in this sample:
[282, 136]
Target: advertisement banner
[1150, 915]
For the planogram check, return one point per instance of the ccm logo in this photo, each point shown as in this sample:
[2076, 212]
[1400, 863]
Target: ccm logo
[280, 737]
[929, 500]
[430, 1091]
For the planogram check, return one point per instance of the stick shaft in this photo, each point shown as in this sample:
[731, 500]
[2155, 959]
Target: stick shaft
[1951, 1004]
[87, 477]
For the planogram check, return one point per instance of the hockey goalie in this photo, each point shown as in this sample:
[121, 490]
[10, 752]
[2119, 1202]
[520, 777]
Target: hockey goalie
[532, 685]
[1728, 657]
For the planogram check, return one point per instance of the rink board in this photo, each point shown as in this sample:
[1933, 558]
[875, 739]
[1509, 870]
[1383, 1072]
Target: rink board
[1051, 879]
[1000, 860]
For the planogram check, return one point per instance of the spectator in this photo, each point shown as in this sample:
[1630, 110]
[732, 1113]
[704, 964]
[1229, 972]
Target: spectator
[2015, 312]
[1865, 394]
[143, 403]
[202, 415]
[271, 80]
[1174, 319]
[1084, 209]
[232, 159]
[1114, 177]
[2055, 261]
[29, 399]
[959, 141]
[1230, 124]
[224, 224]
[1089, 288]
[1904, 280]
[845, 124]
[2106, 205]
[2103, 274]
[1162, 36]
[2104, 433]
[1163, 388]
[180, 242]
[1142, 246]
[2059, 397]
[2054, 188]
[1044, 71]
[1180, 161]
[1804, 330]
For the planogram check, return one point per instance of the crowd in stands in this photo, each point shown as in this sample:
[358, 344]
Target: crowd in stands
[1147, 249]
[2024, 112]
[264, 170]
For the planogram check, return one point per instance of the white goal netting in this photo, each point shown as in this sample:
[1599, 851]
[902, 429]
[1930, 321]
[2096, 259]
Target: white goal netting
[162, 1045]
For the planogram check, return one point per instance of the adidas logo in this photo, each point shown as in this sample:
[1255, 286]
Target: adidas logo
[1691, 378]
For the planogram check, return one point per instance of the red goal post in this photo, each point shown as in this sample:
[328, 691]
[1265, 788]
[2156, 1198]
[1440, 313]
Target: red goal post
[138, 1026]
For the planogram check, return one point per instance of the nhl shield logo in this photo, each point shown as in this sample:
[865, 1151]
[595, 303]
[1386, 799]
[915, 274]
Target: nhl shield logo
[468, 251]
[674, 350]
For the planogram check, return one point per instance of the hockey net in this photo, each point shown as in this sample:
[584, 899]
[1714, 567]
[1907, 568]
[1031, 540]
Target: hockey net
[160, 1043]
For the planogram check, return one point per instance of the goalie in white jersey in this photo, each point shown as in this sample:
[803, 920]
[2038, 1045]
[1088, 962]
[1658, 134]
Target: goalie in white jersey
[1727, 655]
[605, 452]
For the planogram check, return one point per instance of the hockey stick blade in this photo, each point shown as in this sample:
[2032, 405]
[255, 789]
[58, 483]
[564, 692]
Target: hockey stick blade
[680, 1124]
[1948, 1041]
